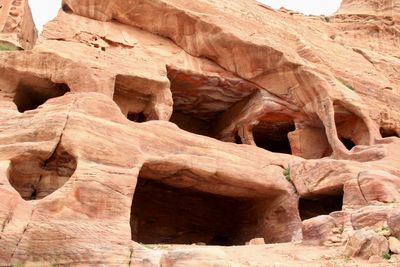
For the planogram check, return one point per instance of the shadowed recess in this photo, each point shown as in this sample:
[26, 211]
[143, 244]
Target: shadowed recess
[273, 136]
[163, 214]
[321, 205]
[35, 179]
[33, 92]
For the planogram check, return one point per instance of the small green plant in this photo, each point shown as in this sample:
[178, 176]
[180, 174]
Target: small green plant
[16, 264]
[341, 229]
[147, 246]
[346, 84]
[386, 255]
[385, 228]
[7, 47]
[286, 173]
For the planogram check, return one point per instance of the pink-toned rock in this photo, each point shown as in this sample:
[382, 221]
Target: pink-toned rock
[17, 29]
[209, 257]
[317, 230]
[394, 222]
[274, 117]
[370, 7]
[394, 245]
[256, 241]
[371, 216]
[365, 244]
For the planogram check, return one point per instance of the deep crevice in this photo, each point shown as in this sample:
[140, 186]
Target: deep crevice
[348, 143]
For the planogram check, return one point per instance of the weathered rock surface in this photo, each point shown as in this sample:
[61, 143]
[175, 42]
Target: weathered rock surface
[394, 222]
[388, 8]
[394, 245]
[365, 244]
[17, 29]
[317, 230]
[176, 122]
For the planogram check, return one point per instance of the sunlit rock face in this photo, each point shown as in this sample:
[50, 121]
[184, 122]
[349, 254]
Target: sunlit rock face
[17, 29]
[370, 7]
[214, 123]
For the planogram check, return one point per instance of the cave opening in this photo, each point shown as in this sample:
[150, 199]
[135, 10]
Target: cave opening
[351, 129]
[33, 92]
[34, 178]
[348, 143]
[136, 117]
[163, 214]
[193, 124]
[320, 205]
[273, 136]
[386, 132]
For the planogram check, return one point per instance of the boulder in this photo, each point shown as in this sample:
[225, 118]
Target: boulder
[365, 244]
[394, 222]
[394, 245]
[316, 231]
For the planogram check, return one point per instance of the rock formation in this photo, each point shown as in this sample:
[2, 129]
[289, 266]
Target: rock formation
[175, 122]
[17, 29]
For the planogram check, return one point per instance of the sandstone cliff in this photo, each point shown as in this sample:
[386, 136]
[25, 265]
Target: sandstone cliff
[198, 122]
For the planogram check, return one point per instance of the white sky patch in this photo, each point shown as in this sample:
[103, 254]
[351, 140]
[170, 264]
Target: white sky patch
[308, 7]
[45, 10]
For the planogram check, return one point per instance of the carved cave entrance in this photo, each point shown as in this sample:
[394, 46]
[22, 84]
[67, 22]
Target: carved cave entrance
[162, 214]
[320, 205]
[33, 92]
[273, 136]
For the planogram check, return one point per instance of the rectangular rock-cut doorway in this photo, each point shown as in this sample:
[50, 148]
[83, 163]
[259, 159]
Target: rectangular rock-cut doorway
[162, 214]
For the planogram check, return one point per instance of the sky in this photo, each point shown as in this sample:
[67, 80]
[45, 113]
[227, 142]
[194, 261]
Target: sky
[45, 10]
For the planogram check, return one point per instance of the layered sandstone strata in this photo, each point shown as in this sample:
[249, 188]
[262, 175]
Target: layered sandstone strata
[207, 122]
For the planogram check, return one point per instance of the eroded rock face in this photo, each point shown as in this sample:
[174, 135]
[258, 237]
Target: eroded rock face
[17, 29]
[365, 244]
[370, 7]
[198, 122]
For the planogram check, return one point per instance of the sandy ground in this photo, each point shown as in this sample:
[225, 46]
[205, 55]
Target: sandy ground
[287, 255]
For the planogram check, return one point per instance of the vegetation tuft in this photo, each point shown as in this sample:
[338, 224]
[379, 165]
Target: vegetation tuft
[386, 255]
[8, 47]
[286, 173]
[346, 84]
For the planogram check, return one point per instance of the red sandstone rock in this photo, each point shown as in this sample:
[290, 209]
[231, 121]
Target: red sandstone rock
[394, 222]
[317, 230]
[394, 245]
[17, 29]
[312, 106]
[370, 7]
[200, 257]
[365, 244]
